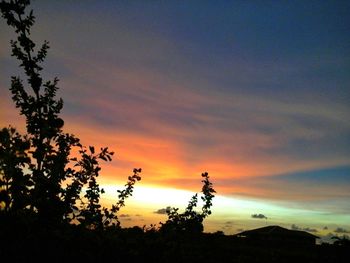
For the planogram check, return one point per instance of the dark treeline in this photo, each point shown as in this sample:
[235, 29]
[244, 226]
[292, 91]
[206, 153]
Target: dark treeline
[29, 243]
[50, 198]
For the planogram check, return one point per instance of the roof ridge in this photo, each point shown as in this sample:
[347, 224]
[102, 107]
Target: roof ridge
[272, 229]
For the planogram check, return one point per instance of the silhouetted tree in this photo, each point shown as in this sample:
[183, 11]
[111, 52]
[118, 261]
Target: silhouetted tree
[341, 241]
[190, 221]
[37, 171]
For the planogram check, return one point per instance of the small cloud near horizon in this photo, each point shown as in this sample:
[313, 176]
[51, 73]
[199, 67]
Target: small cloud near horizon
[228, 225]
[259, 216]
[341, 230]
[307, 229]
[162, 211]
[124, 215]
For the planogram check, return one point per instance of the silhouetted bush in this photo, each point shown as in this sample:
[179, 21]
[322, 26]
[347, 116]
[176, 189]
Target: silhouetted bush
[38, 174]
[190, 221]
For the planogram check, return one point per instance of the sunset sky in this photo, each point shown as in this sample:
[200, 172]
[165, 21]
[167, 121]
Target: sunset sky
[256, 93]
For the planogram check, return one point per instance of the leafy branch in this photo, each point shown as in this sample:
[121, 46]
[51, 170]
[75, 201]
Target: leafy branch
[191, 221]
[37, 172]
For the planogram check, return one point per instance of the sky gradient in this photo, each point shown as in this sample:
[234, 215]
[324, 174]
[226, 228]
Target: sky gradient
[256, 94]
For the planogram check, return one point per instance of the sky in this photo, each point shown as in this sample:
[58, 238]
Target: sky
[256, 93]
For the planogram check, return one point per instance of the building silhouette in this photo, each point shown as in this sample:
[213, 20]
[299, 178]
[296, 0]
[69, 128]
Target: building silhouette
[276, 235]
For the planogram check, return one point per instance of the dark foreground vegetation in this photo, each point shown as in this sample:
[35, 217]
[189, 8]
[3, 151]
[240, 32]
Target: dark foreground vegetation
[50, 198]
[24, 242]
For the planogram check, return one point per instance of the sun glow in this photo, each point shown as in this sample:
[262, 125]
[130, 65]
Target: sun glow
[230, 214]
[150, 197]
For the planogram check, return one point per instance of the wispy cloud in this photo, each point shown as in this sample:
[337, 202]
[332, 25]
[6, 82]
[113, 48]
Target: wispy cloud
[307, 229]
[341, 230]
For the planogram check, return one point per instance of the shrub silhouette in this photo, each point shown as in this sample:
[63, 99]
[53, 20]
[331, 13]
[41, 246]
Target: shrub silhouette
[190, 221]
[38, 173]
[341, 241]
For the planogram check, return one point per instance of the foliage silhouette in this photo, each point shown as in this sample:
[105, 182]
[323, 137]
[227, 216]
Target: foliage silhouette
[190, 221]
[38, 173]
[341, 241]
[13, 157]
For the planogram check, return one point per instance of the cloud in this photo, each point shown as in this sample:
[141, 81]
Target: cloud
[307, 229]
[228, 225]
[162, 211]
[341, 230]
[259, 216]
[174, 145]
[295, 227]
[305, 188]
[312, 230]
[124, 215]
